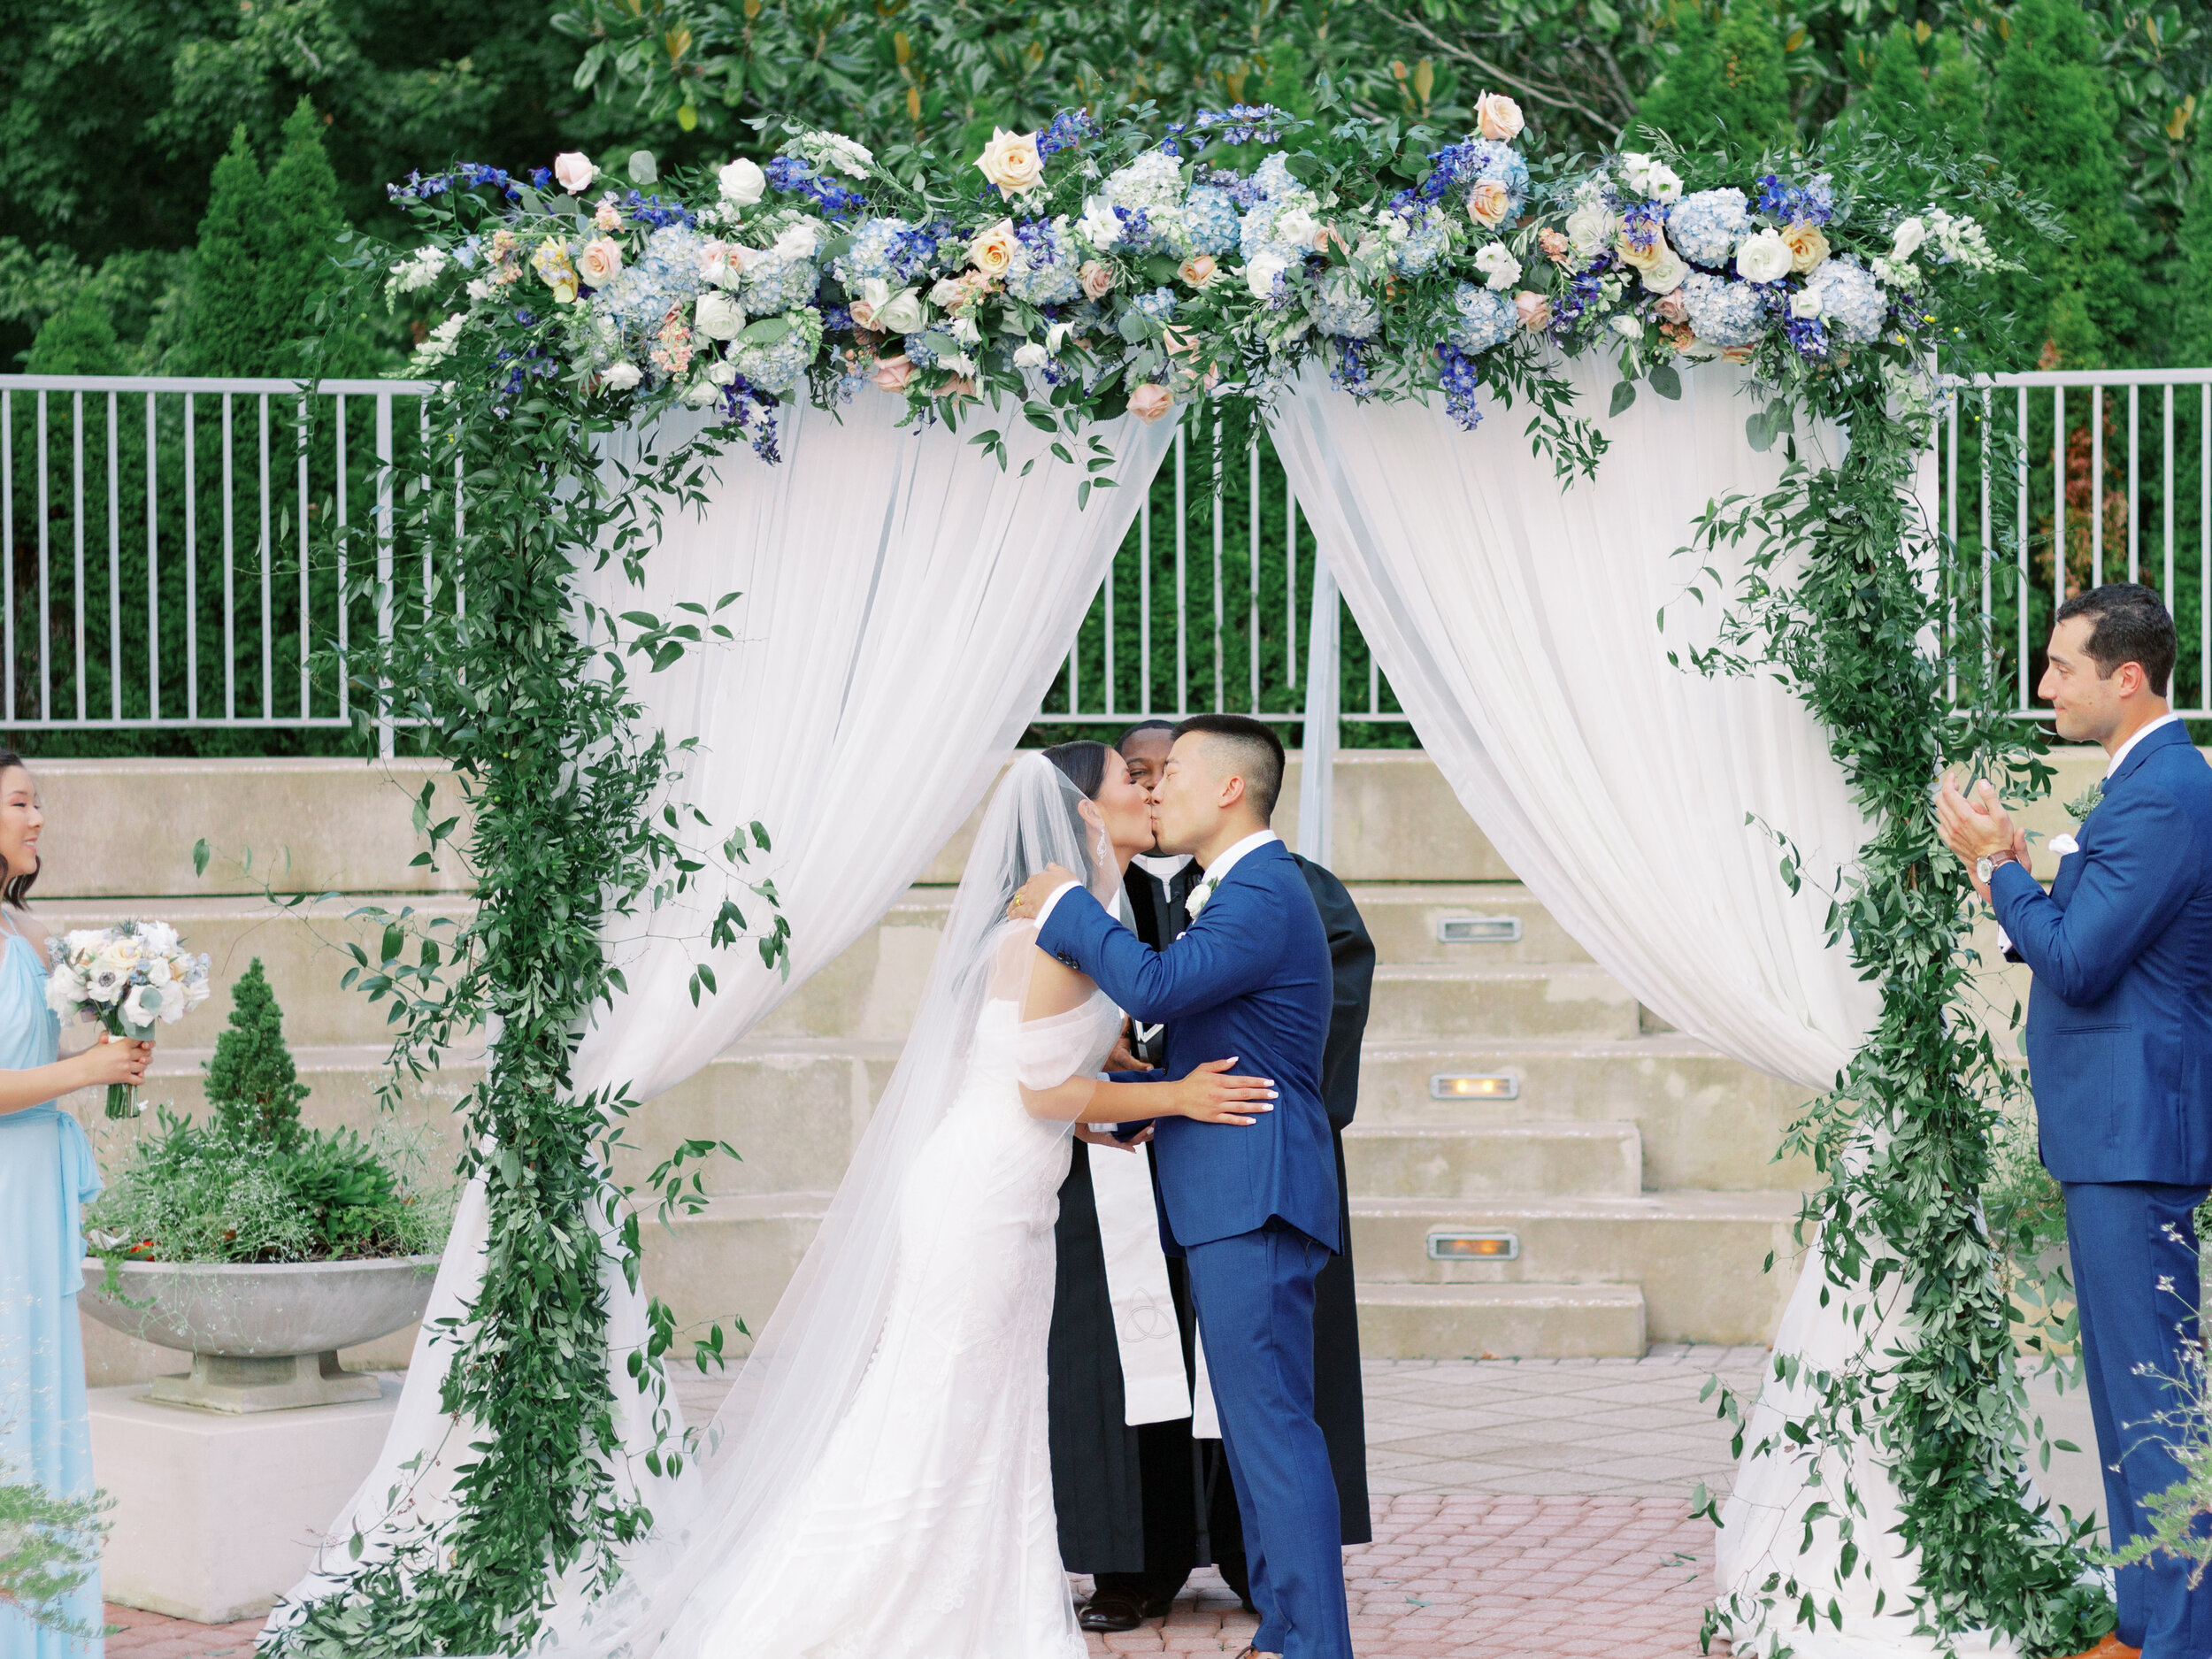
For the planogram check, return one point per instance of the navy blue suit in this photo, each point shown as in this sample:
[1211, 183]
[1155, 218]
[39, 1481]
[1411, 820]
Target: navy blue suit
[1254, 1209]
[2119, 1041]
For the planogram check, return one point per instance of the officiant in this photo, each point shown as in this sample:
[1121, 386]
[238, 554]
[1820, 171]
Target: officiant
[1139, 1481]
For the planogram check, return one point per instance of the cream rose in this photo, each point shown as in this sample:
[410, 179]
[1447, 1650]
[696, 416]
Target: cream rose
[602, 259]
[1499, 117]
[1299, 228]
[1149, 402]
[574, 171]
[1010, 161]
[1641, 258]
[901, 313]
[893, 373]
[1198, 269]
[1097, 278]
[992, 250]
[742, 182]
[1589, 228]
[1488, 202]
[1764, 258]
[1664, 276]
[1535, 309]
[1807, 245]
[717, 316]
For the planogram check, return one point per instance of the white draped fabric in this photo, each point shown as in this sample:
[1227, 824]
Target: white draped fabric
[1516, 618]
[906, 601]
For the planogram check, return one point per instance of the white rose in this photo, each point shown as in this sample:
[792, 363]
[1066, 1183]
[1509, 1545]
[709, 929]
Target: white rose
[742, 182]
[698, 394]
[1031, 356]
[1665, 273]
[1500, 269]
[1260, 275]
[1297, 228]
[1765, 257]
[574, 171]
[1662, 183]
[717, 316]
[798, 241]
[142, 1006]
[619, 377]
[1804, 304]
[1099, 225]
[1909, 235]
[847, 155]
[721, 371]
[966, 330]
[901, 313]
[1628, 328]
[1590, 227]
[1056, 335]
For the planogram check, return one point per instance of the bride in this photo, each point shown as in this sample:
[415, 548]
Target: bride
[883, 1486]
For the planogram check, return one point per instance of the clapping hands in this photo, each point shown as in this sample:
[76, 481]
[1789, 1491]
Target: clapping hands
[1977, 828]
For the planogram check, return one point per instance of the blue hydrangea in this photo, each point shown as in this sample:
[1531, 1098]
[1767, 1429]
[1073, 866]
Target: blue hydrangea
[1153, 180]
[1486, 318]
[1722, 313]
[886, 249]
[777, 281]
[1425, 243]
[777, 366]
[1274, 177]
[1851, 303]
[1210, 217]
[1158, 305]
[917, 351]
[1044, 272]
[639, 297]
[674, 254]
[1706, 225]
[1340, 307]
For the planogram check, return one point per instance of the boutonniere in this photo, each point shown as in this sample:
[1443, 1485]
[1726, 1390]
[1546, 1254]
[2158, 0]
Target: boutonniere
[1199, 894]
[2083, 804]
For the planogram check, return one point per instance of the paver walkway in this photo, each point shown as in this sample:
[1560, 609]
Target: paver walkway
[1535, 1508]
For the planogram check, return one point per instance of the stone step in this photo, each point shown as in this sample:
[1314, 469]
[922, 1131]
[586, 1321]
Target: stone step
[303, 950]
[1591, 1160]
[1501, 1321]
[1434, 1004]
[1403, 920]
[1706, 1121]
[1697, 1255]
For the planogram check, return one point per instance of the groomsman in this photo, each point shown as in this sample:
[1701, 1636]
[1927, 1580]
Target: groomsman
[2119, 1041]
[1140, 1507]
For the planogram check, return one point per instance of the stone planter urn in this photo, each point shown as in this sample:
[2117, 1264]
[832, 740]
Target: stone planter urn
[263, 1336]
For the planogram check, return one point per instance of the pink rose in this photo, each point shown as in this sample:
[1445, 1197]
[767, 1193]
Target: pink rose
[893, 373]
[1149, 402]
[1674, 308]
[1499, 117]
[1097, 280]
[603, 258]
[1535, 309]
[607, 214]
[863, 315]
[575, 172]
[1487, 203]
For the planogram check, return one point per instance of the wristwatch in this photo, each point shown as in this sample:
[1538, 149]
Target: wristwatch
[1984, 868]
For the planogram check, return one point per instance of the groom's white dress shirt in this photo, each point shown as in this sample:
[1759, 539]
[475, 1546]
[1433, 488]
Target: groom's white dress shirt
[2121, 753]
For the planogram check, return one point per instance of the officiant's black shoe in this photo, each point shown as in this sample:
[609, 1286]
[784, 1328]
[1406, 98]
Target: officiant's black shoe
[1113, 1610]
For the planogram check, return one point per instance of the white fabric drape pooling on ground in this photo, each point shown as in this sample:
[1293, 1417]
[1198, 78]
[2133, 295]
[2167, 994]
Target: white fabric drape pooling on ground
[1516, 615]
[906, 603]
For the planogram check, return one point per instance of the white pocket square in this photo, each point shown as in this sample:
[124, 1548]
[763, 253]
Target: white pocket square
[2063, 844]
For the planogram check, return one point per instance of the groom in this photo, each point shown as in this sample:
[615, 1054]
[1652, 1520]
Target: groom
[1254, 1210]
[2119, 1044]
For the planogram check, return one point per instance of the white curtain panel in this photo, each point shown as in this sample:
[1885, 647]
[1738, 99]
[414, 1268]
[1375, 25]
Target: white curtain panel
[1516, 616]
[906, 603]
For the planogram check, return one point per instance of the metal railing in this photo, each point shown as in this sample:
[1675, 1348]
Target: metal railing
[178, 548]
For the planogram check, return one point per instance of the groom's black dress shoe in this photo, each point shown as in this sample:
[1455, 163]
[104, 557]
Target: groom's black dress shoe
[1113, 1610]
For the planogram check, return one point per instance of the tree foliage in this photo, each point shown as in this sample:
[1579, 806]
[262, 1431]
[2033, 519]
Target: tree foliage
[252, 1082]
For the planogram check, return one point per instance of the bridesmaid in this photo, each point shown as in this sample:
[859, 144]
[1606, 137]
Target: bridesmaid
[47, 1174]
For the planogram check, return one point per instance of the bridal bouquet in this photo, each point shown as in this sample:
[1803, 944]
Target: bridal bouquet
[129, 977]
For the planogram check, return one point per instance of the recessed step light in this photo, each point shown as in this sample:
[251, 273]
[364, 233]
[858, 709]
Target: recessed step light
[1479, 929]
[1446, 1246]
[1473, 1086]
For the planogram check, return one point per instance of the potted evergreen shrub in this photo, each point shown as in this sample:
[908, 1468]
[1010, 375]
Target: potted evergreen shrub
[260, 1245]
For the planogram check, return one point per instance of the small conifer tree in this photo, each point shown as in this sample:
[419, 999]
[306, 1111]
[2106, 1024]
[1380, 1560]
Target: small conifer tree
[297, 236]
[1729, 78]
[1896, 97]
[77, 339]
[2195, 310]
[1682, 102]
[1958, 97]
[251, 1082]
[227, 331]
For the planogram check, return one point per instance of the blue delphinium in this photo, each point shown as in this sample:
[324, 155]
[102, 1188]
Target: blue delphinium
[1643, 224]
[1210, 216]
[1460, 382]
[777, 281]
[1340, 307]
[656, 211]
[1456, 169]
[1851, 301]
[1045, 271]
[1706, 225]
[792, 173]
[1240, 188]
[1069, 127]
[1722, 313]
[1807, 335]
[1348, 367]
[1486, 318]
[1812, 203]
[754, 414]
[886, 249]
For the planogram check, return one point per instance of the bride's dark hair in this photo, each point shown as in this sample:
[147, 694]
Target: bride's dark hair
[1082, 763]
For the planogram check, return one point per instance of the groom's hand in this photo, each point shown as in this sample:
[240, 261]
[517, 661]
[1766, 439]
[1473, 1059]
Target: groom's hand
[1031, 900]
[1978, 827]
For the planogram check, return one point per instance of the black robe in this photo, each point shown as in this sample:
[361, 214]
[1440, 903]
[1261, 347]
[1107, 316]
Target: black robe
[1099, 1462]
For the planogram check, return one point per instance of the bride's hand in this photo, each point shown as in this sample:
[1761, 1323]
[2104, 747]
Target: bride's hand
[1210, 1095]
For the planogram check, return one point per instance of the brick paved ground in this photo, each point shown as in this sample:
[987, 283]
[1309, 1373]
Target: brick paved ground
[1532, 1508]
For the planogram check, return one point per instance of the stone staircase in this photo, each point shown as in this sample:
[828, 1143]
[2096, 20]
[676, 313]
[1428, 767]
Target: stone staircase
[1606, 1182]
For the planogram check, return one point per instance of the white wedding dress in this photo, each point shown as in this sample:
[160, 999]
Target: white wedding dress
[926, 1529]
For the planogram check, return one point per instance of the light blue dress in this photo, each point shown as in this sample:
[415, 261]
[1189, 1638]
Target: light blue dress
[47, 1176]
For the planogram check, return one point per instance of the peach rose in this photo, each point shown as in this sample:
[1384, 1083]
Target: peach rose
[607, 214]
[1674, 308]
[1535, 309]
[1499, 117]
[957, 386]
[1097, 280]
[602, 259]
[1198, 269]
[893, 373]
[1807, 245]
[1557, 248]
[1487, 203]
[992, 252]
[1149, 402]
[1738, 354]
[1010, 161]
